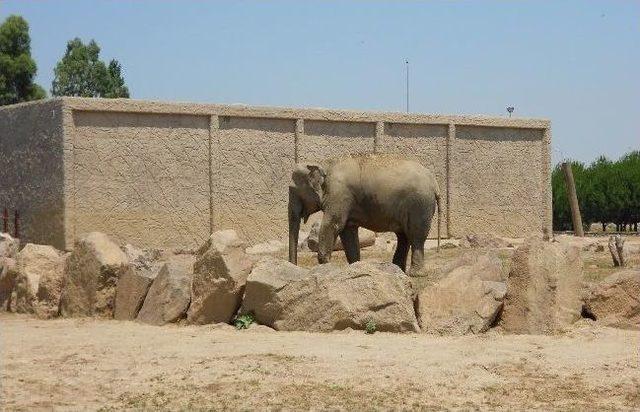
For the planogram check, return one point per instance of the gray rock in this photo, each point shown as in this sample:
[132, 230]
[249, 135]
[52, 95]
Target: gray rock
[170, 293]
[286, 297]
[132, 289]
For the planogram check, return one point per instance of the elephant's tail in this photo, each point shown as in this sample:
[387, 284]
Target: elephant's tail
[439, 220]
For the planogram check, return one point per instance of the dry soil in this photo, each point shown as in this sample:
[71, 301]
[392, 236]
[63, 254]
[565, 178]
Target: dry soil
[104, 365]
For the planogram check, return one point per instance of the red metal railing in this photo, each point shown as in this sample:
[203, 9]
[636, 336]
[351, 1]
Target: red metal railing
[16, 222]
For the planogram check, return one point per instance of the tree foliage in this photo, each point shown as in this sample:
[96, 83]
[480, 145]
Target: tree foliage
[81, 73]
[608, 192]
[17, 68]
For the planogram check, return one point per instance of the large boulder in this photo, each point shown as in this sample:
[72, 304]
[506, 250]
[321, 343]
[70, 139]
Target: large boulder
[8, 275]
[90, 276]
[286, 297]
[170, 293]
[219, 277]
[132, 289]
[467, 300]
[616, 300]
[8, 246]
[39, 281]
[543, 288]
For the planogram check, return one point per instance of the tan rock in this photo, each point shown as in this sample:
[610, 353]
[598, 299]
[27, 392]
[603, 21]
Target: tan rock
[220, 274]
[543, 288]
[222, 240]
[8, 275]
[467, 300]
[170, 293]
[484, 240]
[366, 238]
[8, 246]
[616, 300]
[286, 297]
[271, 247]
[90, 276]
[39, 280]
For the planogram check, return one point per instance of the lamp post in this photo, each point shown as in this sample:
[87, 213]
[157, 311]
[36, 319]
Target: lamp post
[406, 62]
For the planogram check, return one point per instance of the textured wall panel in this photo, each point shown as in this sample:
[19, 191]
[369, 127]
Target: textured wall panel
[142, 178]
[252, 163]
[424, 143]
[330, 139]
[496, 181]
[32, 170]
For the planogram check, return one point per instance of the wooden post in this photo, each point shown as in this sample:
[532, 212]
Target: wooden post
[573, 200]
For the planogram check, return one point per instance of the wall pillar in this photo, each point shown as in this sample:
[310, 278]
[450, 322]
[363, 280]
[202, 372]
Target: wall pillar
[298, 132]
[214, 147]
[545, 164]
[451, 136]
[377, 139]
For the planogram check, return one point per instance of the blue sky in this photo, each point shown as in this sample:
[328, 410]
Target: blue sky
[573, 62]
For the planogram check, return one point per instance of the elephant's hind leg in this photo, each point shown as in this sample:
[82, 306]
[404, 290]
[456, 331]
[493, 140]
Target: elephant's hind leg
[402, 250]
[417, 256]
[351, 243]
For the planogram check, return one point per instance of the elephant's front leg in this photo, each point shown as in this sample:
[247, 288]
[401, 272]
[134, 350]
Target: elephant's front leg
[351, 243]
[329, 230]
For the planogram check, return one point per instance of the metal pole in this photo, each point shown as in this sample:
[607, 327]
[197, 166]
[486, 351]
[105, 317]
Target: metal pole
[16, 225]
[576, 219]
[407, 65]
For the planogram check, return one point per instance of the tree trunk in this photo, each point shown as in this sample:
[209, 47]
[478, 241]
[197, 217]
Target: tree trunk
[616, 248]
[576, 219]
[604, 228]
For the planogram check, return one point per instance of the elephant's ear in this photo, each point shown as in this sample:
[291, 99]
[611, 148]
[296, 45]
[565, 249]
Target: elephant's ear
[316, 177]
[300, 176]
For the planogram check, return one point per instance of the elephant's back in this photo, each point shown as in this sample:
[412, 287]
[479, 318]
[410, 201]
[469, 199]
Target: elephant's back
[397, 174]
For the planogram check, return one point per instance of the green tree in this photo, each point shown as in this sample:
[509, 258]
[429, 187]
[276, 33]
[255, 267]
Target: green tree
[81, 73]
[17, 68]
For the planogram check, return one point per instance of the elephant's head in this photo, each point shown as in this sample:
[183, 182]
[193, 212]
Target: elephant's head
[305, 198]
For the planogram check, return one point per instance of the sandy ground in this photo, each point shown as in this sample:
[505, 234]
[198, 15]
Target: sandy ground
[104, 365]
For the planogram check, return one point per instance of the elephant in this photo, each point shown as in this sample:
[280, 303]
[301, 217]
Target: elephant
[378, 192]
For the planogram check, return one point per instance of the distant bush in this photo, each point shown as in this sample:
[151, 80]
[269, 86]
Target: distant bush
[608, 192]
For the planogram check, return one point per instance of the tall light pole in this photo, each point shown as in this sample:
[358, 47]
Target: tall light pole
[406, 62]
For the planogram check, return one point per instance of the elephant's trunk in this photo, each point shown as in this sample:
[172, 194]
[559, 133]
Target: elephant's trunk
[295, 214]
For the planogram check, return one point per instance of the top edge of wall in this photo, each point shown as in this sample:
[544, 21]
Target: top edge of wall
[151, 106]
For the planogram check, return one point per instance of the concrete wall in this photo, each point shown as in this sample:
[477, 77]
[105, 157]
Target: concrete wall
[166, 174]
[32, 170]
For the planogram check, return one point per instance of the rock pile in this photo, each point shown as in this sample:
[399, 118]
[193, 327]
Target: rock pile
[537, 290]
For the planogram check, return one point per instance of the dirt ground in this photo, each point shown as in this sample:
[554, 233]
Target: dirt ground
[92, 364]
[104, 365]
